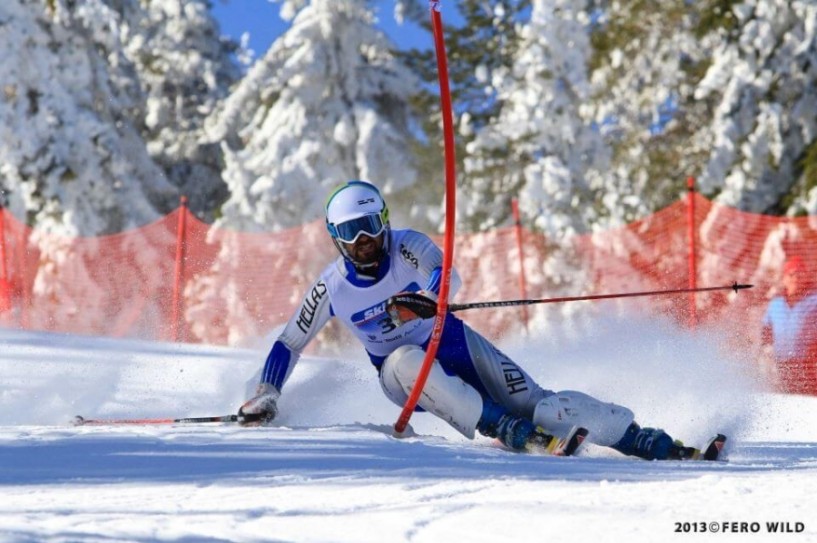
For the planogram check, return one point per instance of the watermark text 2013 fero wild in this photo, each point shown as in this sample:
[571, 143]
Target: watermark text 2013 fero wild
[740, 527]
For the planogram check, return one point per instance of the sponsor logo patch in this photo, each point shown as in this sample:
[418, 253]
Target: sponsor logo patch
[409, 256]
[514, 378]
[310, 306]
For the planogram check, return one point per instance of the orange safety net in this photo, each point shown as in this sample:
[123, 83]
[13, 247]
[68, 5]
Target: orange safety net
[234, 287]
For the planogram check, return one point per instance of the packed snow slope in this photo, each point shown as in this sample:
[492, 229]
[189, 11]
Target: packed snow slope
[329, 470]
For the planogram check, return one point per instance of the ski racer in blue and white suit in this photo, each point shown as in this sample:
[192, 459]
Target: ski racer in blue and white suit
[473, 386]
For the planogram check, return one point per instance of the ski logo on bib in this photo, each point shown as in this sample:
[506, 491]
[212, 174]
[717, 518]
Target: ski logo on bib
[375, 319]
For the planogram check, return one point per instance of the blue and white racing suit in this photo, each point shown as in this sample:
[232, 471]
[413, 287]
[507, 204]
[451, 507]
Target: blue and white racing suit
[413, 263]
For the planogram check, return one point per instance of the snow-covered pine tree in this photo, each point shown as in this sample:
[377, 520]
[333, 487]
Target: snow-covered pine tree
[646, 59]
[327, 103]
[184, 68]
[539, 146]
[481, 45]
[73, 161]
[713, 89]
[763, 85]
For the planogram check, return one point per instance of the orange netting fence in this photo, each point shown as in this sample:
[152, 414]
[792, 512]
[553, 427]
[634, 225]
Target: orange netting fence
[179, 279]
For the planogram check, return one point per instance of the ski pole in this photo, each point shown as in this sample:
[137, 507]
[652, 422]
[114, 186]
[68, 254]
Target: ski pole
[507, 303]
[82, 421]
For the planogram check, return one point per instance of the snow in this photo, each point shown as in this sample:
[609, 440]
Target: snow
[331, 471]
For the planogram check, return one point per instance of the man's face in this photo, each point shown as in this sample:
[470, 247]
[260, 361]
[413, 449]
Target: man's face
[365, 250]
[791, 282]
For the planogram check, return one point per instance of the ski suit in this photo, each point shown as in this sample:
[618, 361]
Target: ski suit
[413, 263]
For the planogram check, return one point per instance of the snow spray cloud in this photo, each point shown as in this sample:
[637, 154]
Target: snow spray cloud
[681, 380]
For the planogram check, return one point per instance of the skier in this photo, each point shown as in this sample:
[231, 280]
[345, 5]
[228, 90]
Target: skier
[473, 386]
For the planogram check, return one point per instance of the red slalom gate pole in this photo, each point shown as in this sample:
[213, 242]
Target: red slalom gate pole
[450, 194]
[178, 272]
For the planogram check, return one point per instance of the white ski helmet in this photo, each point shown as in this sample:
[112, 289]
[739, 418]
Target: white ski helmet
[353, 209]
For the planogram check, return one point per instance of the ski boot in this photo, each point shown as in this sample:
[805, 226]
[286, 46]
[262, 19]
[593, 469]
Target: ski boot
[520, 434]
[646, 443]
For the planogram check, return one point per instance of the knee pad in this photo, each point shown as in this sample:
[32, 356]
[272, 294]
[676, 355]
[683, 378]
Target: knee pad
[446, 396]
[389, 381]
[605, 422]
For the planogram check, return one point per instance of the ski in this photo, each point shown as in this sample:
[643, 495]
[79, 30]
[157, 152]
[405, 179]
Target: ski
[711, 451]
[555, 446]
[568, 445]
[82, 421]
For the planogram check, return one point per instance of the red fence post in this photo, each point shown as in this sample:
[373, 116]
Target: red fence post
[178, 273]
[26, 286]
[692, 254]
[26, 283]
[523, 290]
[5, 294]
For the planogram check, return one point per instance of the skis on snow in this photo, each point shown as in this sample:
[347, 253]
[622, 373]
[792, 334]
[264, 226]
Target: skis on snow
[555, 446]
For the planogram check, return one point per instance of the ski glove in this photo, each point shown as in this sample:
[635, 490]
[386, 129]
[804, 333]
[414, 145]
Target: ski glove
[260, 409]
[407, 306]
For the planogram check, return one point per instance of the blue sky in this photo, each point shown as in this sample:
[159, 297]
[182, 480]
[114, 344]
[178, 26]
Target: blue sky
[260, 18]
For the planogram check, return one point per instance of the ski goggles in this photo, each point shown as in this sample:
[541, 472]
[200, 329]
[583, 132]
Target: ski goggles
[349, 231]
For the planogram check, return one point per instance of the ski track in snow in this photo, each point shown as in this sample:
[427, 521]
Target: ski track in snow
[331, 471]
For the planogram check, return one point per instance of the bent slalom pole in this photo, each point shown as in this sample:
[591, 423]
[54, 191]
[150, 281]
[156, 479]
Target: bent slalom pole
[508, 303]
[448, 245]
